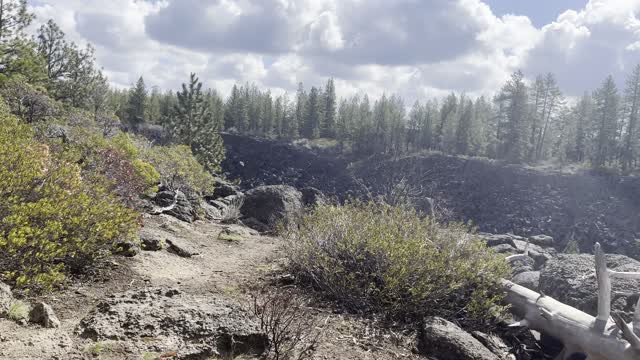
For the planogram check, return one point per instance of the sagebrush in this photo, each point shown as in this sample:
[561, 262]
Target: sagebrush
[374, 257]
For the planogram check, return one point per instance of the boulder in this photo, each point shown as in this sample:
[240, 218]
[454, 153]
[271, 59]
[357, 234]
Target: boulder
[151, 242]
[43, 314]
[501, 239]
[183, 210]
[528, 279]
[570, 278]
[6, 298]
[197, 327]
[312, 197]
[273, 205]
[542, 240]
[443, 340]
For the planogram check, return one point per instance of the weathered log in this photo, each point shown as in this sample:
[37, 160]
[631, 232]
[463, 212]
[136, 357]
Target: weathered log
[599, 338]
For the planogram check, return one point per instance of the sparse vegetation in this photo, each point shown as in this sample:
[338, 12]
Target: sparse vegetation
[18, 310]
[291, 328]
[374, 257]
[232, 214]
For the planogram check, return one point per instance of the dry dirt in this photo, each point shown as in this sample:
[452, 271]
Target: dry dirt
[222, 267]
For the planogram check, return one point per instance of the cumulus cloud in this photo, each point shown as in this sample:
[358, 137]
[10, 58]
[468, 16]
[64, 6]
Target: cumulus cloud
[415, 48]
[583, 47]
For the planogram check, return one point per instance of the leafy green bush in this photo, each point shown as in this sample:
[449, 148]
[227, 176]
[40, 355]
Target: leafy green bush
[381, 258]
[179, 169]
[53, 219]
[116, 160]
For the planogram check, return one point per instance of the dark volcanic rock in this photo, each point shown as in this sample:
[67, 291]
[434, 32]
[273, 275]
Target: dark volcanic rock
[570, 278]
[183, 209]
[222, 188]
[164, 198]
[501, 198]
[197, 327]
[496, 197]
[444, 340]
[258, 162]
[273, 204]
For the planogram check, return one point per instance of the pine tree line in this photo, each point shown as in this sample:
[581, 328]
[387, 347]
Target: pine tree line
[523, 123]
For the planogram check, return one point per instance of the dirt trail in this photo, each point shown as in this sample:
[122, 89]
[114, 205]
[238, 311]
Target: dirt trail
[221, 266]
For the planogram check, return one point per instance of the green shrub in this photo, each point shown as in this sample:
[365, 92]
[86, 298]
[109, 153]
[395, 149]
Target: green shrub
[117, 160]
[53, 219]
[374, 257]
[179, 169]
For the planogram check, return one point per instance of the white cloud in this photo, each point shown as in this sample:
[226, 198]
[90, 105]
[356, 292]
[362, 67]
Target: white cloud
[583, 47]
[415, 48]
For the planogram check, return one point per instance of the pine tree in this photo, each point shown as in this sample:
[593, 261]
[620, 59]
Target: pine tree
[194, 124]
[513, 97]
[278, 117]
[605, 118]
[447, 112]
[416, 116]
[313, 114]
[329, 111]
[98, 96]
[14, 18]
[553, 100]
[267, 114]
[463, 130]
[136, 106]
[53, 47]
[301, 101]
[632, 105]
[582, 115]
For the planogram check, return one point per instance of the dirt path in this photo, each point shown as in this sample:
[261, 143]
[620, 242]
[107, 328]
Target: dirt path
[222, 266]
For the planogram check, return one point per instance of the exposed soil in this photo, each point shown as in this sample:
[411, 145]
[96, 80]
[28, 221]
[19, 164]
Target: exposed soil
[225, 268]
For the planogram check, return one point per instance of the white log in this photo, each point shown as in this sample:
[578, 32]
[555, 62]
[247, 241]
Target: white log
[624, 275]
[604, 288]
[636, 319]
[574, 328]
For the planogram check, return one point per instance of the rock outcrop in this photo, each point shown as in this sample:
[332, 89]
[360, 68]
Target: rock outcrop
[162, 319]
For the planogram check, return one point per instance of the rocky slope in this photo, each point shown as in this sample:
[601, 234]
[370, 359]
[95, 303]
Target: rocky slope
[497, 198]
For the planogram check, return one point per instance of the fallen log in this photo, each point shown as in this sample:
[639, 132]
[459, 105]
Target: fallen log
[599, 338]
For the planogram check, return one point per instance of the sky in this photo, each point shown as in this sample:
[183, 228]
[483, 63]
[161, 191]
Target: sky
[417, 49]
